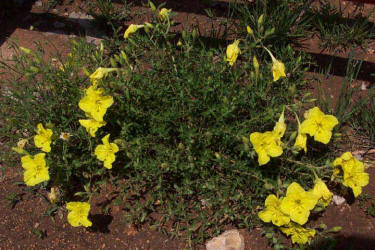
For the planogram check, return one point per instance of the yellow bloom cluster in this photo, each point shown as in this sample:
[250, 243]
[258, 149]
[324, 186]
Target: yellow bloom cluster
[292, 211]
[233, 50]
[316, 124]
[95, 103]
[354, 175]
[36, 169]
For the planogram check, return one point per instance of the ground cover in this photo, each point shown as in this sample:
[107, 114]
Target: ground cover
[195, 134]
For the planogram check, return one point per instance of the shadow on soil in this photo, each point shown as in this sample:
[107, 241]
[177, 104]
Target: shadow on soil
[342, 242]
[19, 16]
[100, 223]
[338, 66]
[189, 6]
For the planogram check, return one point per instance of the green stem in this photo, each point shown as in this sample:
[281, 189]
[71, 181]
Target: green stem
[256, 177]
[308, 165]
[269, 52]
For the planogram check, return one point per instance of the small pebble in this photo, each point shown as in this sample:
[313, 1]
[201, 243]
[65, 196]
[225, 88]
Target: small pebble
[338, 200]
[363, 86]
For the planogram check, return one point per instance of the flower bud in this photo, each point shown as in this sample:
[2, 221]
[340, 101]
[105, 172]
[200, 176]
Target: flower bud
[260, 20]
[217, 155]
[113, 63]
[152, 6]
[20, 151]
[101, 48]
[25, 50]
[85, 71]
[335, 229]
[323, 226]
[50, 125]
[249, 30]
[34, 69]
[256, 66]
[293, 136]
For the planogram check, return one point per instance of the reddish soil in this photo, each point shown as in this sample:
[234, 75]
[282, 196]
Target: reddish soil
[23, 225]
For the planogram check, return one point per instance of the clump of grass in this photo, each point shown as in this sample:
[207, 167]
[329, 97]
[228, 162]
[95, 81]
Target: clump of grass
[363, 120]
[283, 22]
[340, 32]
[109, 16]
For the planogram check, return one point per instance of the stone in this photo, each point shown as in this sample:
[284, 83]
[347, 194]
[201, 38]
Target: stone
[229, 240]
[338, 200]
[94, 40]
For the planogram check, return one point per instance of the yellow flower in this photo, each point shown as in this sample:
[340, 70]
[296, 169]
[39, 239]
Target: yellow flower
[266, 145]
[318, 125]
[164, 14]
[100, 73]
[43, 138]
[36, 170]
[298, 234]
[278, 69]
[92, 125]
[280, 126]
[354, 175]
[65, 136]
[22, 143]
[78, 213]
[298, 203]
[132, 29]
[273, 212]
[106, 152]
[232, 52]
[346, 161]
[322, 192]
[95, 104]
[301, 139]
[356, 178]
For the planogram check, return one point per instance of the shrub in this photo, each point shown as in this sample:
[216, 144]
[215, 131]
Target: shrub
[181, 118]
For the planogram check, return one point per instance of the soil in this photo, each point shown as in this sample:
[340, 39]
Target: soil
[22, 223]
